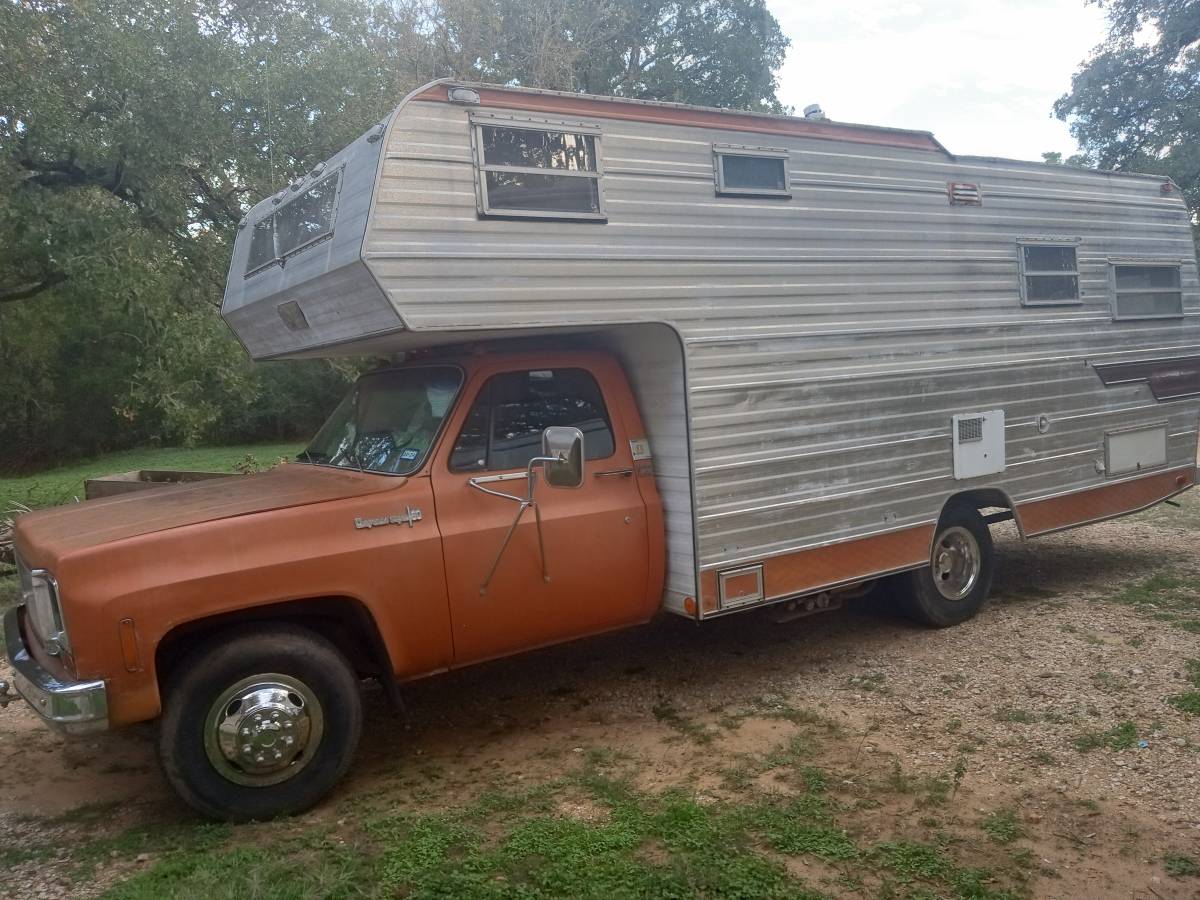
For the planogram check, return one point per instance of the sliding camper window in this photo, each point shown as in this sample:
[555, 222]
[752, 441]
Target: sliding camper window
[1049, 273]
[1146, 290]
[296, 225]
[751, 171]
[538, 170]
[504, 428]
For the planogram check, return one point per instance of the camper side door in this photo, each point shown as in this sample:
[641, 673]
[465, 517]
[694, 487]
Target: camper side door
[587, 571]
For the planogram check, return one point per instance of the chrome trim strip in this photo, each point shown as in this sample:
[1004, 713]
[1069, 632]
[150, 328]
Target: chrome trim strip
[73, 707]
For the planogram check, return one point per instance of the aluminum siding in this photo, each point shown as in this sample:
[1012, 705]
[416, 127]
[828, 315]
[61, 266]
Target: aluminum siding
[830, 337]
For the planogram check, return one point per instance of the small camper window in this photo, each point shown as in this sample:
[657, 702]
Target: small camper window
[1147, 291]
[1049, 274]
[301, 222]
[751, 171]
[539, 172]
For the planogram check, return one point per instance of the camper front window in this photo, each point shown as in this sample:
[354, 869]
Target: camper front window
[751, 171]
[544, 173]
[387, 422]
[1148, 291]
[301, 222]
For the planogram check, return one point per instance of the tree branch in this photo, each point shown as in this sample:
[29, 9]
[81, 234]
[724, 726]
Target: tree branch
[25, 291]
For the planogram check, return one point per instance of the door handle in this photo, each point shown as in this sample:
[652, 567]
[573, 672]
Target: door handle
[615, 473]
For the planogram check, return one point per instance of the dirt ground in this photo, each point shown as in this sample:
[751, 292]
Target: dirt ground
[1051, 705]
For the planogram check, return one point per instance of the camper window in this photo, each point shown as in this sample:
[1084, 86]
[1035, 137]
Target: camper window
[301, 222]
[1049, 274]
[751, 171]
[539, 172]
[1147, 291]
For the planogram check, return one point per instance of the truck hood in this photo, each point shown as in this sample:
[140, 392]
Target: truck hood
[49, 534]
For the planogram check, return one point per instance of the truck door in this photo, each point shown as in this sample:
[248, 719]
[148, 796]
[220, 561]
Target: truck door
[594, 537]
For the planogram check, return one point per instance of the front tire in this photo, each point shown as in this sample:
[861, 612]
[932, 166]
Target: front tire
[955, 583]
[259, 722]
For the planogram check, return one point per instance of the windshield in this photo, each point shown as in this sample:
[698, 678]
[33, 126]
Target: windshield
[387, 422]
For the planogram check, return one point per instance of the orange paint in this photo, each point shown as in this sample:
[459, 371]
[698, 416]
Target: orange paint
[1104, 502]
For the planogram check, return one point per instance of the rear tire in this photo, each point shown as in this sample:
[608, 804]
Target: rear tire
[955, 583]
[258, 722]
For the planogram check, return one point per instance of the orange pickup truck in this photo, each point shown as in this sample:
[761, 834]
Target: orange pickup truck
[450, 511]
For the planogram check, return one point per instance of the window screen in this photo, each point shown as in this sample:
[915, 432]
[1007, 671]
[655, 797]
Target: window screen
[504, 428]
[1049, 274]
[301, 222]
[1147, 292]
[539, 172]
[758, 173]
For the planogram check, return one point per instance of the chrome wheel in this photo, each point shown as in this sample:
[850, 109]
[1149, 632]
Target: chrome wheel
[957, 563]
[263, 730]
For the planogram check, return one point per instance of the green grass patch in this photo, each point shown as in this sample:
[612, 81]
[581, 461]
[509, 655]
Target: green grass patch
[1181, 866]
[1164, 598]
[62, 485]
[1123, 736]
[1189, 701]
[588, 834]
[1002, 826]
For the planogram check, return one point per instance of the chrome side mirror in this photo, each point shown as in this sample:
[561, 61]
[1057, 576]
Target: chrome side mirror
[562, 448]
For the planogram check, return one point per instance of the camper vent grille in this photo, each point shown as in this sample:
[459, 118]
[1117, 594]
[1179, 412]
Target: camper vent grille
[963, 193]
[970, 430]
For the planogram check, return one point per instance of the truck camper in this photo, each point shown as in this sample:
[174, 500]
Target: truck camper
[643, 357]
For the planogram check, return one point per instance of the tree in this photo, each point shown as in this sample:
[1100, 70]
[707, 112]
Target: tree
[135, 135]
[1135, 104]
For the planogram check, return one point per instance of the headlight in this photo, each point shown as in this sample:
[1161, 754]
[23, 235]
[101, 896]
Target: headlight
[39, 590]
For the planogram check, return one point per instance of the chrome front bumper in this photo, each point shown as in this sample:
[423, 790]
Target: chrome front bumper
[73, 707]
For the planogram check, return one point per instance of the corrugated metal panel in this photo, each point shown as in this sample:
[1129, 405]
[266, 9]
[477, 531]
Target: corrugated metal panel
[830, 337]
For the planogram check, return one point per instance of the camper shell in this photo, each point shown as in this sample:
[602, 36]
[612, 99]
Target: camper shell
[832, 330]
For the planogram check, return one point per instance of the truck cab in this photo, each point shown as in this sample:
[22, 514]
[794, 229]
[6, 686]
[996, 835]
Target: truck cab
[453, 509]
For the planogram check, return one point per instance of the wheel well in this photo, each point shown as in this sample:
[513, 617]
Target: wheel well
[343, 620]
[983, 499]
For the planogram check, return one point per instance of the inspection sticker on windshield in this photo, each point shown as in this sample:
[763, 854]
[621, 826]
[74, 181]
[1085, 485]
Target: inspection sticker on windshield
[640, 447]
[409, 453]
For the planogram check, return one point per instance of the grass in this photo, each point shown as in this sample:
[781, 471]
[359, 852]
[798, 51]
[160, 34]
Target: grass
[1002, 826]
[1189, 701]
[62, 485]
[519, 843]
[1123, 736]
[1164, 598]
[1181, 866]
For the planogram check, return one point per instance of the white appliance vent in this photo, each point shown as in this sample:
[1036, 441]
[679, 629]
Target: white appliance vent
[978, 443]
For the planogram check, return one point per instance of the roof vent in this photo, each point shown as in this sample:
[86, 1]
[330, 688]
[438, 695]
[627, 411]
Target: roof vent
[463, 95]
[814, 111]
[963, 193]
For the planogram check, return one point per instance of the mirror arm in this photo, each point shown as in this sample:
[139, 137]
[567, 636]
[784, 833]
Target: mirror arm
[525, 503]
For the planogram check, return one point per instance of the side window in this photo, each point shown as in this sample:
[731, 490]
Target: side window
[751, 171]
[546, 172]
[1049, 273]
[504, 428]
[1147, 291]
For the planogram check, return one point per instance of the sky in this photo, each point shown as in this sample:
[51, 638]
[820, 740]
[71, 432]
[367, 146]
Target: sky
[982, 75]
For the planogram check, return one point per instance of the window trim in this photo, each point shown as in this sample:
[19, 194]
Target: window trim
[491, 420]
[720, 151]
[281, 259]
[480, 121]
[1025, 273]
[1155, 262]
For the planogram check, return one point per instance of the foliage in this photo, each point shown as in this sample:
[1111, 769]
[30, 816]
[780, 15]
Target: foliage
[1135, 104]
[135, 135]
[63, 485]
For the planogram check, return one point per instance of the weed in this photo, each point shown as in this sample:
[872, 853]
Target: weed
[1002, 826]
[1120, 737]
[689, 728]
[1188, 702]
[1180, 865]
